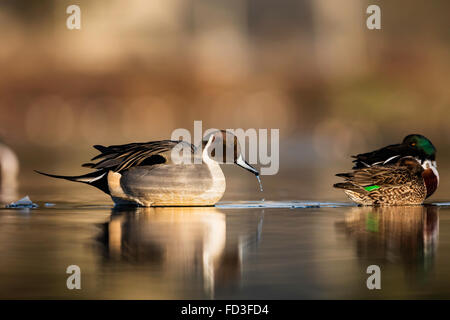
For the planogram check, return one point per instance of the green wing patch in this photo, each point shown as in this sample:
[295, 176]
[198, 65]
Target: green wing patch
[371, 188]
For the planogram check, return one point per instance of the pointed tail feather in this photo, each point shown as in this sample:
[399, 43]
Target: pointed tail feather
[345, 175]
[350, 186]
[97, 179]
[342, 185]
[101, 148]
[87, 178]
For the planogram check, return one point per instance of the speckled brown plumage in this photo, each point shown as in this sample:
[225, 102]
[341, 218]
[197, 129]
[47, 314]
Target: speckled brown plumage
[397, 184]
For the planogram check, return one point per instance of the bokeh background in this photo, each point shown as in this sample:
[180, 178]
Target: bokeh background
[139, 69]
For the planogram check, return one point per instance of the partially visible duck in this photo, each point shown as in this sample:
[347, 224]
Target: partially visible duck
[147, 174]
[9, 171]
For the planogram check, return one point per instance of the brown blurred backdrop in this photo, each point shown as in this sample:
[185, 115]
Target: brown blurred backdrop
[139, 69]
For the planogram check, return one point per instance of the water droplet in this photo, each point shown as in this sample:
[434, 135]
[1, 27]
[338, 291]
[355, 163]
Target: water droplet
[260, 184]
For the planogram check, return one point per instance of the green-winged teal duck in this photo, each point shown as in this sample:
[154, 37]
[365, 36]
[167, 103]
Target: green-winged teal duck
[403, 170]
[400, 183]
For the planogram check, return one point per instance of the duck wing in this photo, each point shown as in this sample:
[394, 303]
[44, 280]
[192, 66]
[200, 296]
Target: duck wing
[119, 158]
[383, 156]
[371, 178]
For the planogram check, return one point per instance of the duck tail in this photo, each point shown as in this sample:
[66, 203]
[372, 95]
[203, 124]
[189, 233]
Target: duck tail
[97, 179]
[350, 186]
[342, 185]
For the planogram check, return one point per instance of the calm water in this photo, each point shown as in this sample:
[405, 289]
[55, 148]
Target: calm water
[238, 250]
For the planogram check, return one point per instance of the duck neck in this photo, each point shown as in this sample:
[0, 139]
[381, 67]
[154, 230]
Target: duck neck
[218, 178]
[208, 161]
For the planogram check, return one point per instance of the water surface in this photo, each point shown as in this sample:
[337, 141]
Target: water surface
[237, 250]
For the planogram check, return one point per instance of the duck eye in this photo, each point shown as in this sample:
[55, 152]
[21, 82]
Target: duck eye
[413, 144]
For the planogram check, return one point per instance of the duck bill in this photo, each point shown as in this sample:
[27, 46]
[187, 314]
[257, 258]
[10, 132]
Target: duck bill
[244, 164]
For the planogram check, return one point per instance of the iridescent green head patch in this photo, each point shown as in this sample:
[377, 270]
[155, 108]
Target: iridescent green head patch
[420, 143]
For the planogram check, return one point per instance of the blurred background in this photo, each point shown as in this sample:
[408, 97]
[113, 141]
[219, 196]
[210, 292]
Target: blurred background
[139, 69]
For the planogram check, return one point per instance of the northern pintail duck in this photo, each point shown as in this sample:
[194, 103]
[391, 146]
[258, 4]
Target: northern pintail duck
[147, 174]
[402, 169]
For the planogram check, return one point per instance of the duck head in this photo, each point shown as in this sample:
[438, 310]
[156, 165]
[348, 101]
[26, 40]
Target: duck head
[424, 151]
[421, 148]
[223, 146]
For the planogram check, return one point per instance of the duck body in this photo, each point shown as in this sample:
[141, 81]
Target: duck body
[398, 174]
[154, 174]
[396, 184]
[168, 185]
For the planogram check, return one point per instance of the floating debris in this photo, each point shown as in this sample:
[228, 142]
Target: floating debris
[441, 204]
[24, 203]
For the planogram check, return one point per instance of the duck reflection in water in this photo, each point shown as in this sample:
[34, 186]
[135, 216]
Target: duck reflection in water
[185, 243]
[406, 235]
